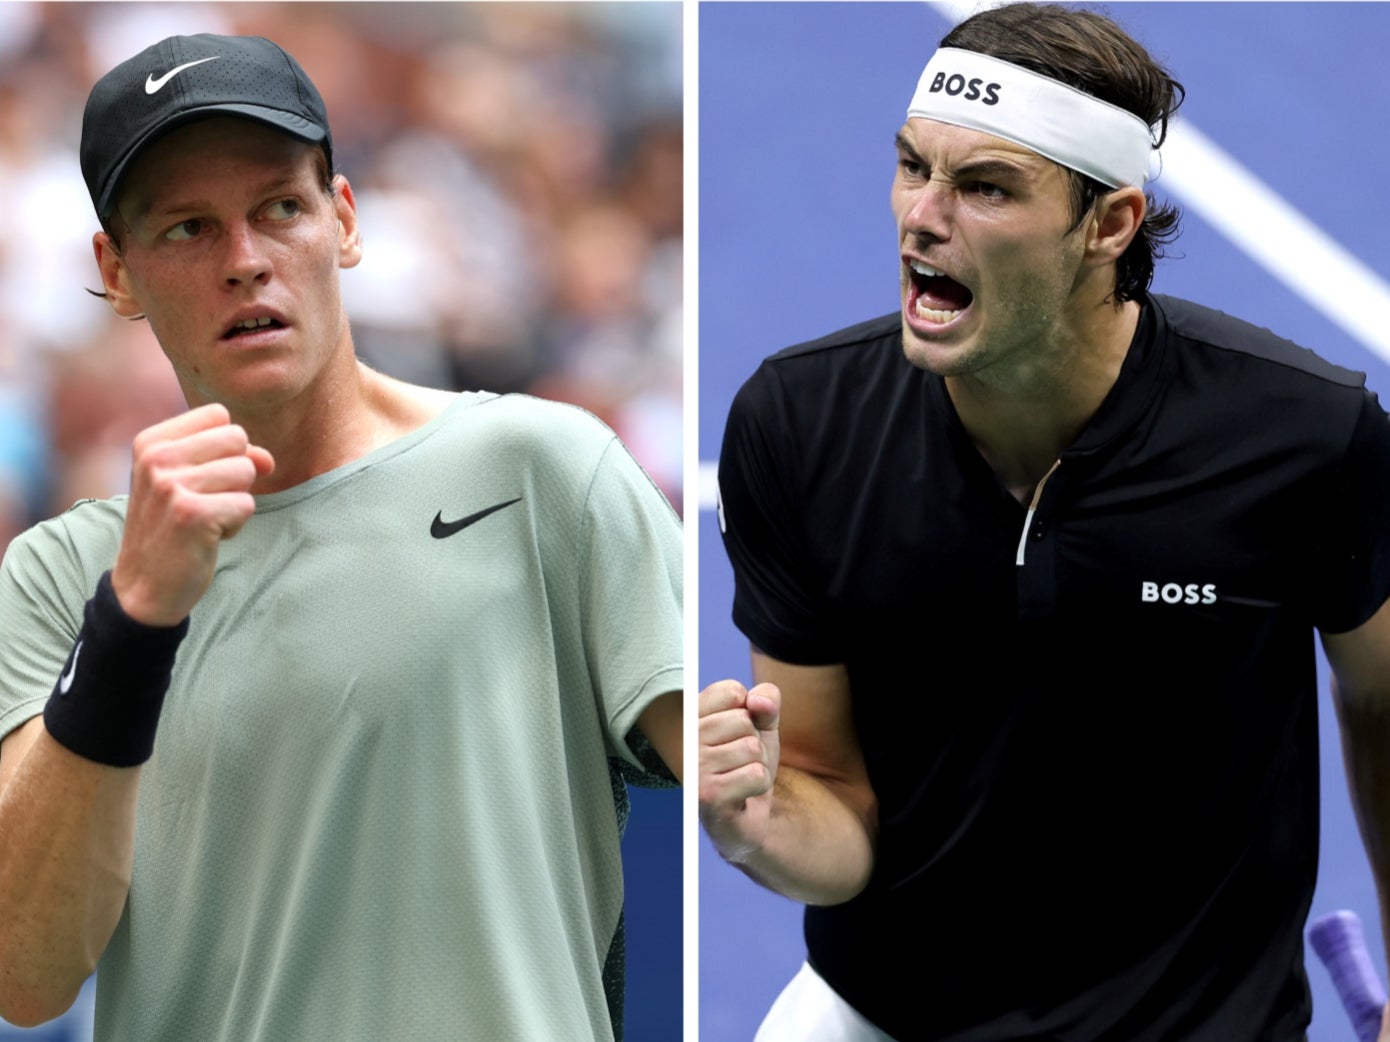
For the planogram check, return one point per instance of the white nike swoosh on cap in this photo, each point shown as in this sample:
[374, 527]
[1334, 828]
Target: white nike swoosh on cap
[152, 85]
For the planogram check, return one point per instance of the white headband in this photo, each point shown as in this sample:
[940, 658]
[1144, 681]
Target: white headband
[973, 90]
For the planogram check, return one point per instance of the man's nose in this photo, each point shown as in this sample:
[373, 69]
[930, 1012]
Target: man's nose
[246, 258]
[929, 211]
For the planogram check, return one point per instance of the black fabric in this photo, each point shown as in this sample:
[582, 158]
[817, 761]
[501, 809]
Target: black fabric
[615, 977]
[182, 79]
[1097, 771]
[106, 703]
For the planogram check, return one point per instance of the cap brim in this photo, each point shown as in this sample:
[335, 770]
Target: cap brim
[296, 126]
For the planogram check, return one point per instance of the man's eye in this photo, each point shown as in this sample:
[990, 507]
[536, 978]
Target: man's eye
[990, 191]
[283, 210]
[910, 167]
[184, 229]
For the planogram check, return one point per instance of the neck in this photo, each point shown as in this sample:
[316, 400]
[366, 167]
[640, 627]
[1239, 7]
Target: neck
[348, 412]
[328, 425]
[1021, 419]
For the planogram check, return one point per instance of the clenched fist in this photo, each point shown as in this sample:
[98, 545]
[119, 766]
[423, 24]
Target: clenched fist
[190, 488]
[739, 751]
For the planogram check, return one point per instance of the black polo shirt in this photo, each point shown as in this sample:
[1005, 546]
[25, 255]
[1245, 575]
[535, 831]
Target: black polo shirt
[1093, 741]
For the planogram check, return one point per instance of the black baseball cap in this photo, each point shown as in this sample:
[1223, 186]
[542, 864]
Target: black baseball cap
[186, 78]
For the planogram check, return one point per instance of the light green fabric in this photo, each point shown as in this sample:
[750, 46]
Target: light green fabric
[379, 803]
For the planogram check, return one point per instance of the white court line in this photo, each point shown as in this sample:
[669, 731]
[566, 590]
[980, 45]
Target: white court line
[709, 487]
[1211, 183]
[1263, 225]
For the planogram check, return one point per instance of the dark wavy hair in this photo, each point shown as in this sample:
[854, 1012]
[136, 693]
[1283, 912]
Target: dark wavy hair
[1088, 51]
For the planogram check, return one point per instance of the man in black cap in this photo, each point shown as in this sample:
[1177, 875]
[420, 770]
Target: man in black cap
[358, 772]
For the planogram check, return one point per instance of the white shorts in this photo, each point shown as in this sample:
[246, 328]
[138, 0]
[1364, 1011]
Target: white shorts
[809, 1010]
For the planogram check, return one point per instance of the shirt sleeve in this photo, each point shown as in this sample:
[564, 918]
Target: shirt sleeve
[777, 599]
[631, 590]
[42, 586]
[1352, 556]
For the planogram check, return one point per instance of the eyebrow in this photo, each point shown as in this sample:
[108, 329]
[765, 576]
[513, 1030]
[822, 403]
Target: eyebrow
[163, 213]
[180, 207]
[985, 169]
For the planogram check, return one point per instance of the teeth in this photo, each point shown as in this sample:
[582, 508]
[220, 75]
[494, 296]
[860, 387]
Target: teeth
[253, 323]
[922, 269]
[932, 315]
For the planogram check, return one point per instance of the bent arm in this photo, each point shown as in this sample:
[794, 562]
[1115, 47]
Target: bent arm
[67, 840]
[1360, 661]
[823, 820]
[661, 723]
[67, 822]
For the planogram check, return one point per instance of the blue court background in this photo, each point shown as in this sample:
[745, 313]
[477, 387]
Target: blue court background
[798, 107]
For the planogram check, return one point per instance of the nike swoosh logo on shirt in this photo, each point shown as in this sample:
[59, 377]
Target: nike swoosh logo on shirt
[442, 529]
[152, 85]
[65, 681]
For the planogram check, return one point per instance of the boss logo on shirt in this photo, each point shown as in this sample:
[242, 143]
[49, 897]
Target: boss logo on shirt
[956, 83]
[1175, 593]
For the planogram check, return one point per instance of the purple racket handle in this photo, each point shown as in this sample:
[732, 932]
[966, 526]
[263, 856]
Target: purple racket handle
[1340, 944]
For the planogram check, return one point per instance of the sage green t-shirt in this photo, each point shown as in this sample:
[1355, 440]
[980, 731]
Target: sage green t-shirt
[379, 805]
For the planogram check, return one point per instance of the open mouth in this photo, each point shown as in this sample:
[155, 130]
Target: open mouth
[251, 326]
[934, 296]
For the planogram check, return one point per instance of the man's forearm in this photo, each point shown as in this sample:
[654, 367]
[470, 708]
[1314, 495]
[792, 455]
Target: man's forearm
[1365, 727]
[67, 830]
[820, 849]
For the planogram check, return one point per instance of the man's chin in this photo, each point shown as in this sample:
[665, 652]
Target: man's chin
[944, 352]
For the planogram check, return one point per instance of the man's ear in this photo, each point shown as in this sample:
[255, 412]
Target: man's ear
[349, 235]
[115, 277]
[1112, 227]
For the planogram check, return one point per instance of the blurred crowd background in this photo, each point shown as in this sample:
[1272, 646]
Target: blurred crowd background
[517, 169]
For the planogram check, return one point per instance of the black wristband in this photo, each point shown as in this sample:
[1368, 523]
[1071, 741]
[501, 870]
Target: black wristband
[105, 706]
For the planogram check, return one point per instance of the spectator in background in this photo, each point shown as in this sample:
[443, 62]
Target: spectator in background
[480, 311]
[548, 134]
[224, 225]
